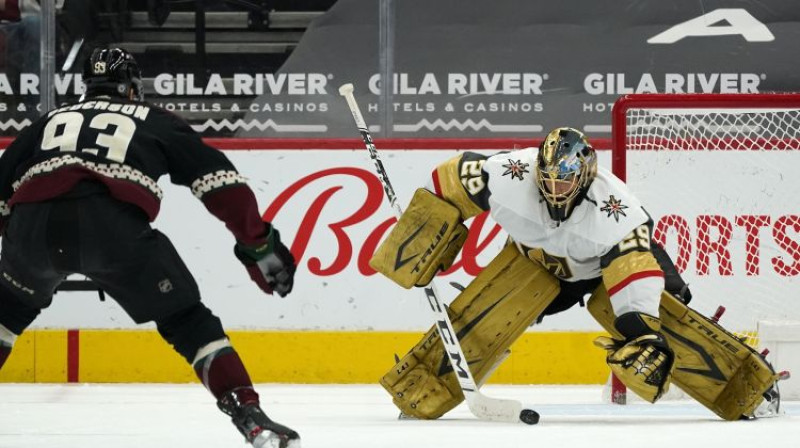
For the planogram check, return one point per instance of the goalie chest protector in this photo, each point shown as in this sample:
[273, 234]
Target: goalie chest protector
[607, 214]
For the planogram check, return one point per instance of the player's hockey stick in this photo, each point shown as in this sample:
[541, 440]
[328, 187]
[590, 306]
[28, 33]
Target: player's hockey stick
[483, 407]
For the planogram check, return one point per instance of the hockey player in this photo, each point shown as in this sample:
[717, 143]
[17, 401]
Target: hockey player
[574, 229]
[77, 194]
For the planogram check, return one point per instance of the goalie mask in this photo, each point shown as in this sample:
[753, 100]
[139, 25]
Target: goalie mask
[565, 167]
[112, 72]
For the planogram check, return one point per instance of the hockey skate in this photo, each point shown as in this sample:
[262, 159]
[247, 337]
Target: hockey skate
[771, 406]
[255, 426]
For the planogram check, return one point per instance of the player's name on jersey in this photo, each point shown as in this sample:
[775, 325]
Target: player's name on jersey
[133, 110]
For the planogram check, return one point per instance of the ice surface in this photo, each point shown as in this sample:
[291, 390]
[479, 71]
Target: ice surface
[355, 416]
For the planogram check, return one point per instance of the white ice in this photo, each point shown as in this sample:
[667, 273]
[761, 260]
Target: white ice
[355, 416]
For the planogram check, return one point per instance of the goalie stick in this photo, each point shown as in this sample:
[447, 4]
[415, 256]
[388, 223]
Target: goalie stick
[483, 407]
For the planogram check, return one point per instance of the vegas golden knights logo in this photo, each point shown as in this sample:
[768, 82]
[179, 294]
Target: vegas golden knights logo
[557, 266]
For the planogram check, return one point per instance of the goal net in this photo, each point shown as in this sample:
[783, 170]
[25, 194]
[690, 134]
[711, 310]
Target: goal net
[720, 176]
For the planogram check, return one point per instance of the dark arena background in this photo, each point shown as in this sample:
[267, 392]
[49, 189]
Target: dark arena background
[694, 104]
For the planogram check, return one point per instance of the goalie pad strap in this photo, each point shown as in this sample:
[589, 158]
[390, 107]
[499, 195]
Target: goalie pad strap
[488, 316]
[426, 239]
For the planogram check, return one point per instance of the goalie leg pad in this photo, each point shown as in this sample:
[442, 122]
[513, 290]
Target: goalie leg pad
[488, 316]
[715, 367]
[425, 240]
[711, 365]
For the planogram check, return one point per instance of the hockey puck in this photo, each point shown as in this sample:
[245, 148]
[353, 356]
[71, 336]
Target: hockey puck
[529, 416]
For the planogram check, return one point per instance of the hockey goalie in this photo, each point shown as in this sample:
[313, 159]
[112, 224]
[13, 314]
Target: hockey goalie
[574, 229]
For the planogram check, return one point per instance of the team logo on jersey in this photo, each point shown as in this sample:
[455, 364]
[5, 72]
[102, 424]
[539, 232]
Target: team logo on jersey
[558, 266]
[614, 207]
[516, 168]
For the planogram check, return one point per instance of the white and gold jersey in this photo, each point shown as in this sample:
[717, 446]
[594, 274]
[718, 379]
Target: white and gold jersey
[608, 233]
[571, 249]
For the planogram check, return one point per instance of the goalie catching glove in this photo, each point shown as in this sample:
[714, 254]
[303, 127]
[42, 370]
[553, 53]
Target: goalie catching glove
[643, 361]
[425, 240]
[270, 265]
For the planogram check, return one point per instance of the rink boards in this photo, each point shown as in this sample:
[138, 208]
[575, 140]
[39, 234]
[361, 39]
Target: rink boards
[141, 356]
[343, 323]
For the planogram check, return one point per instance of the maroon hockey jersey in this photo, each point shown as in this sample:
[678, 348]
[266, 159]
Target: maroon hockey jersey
[127, 146]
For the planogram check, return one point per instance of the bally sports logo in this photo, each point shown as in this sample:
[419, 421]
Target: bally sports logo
[727, 245]
[706, 245]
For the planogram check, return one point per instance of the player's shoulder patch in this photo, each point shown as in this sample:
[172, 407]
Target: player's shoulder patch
[517, 169]
[614, 207]
[512, 181]
[614, 211]
[512, 165]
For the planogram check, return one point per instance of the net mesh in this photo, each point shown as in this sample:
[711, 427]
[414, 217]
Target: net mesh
[722, 188]
[713, 129]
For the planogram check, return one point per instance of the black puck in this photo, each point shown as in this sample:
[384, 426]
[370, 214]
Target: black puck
[529, 416]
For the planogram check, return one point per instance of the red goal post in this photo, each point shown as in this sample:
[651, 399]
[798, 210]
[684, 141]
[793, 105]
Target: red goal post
[720, 175]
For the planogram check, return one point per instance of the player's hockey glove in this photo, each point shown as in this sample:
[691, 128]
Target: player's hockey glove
[270, 265]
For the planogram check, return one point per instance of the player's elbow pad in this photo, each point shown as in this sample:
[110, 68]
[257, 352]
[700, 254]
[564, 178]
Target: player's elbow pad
[425, 241]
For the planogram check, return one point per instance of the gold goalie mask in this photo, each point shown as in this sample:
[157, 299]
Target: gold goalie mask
[565, 168]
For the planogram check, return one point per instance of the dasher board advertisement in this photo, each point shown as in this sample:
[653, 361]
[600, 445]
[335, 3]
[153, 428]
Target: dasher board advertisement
[331, 211]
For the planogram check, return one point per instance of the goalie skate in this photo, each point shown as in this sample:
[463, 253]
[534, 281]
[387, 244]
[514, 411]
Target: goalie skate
[771, 406]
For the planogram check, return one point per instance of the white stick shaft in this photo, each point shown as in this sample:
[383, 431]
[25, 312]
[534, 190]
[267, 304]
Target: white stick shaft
[347, 91]
[480, 405]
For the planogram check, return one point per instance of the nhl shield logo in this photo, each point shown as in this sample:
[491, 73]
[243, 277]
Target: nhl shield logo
[165, 286]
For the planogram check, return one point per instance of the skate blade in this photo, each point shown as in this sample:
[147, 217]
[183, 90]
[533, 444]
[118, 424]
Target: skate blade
[269, 439]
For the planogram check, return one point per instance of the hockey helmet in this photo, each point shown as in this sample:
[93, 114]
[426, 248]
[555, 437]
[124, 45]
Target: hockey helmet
[112, 71]
[565, 167]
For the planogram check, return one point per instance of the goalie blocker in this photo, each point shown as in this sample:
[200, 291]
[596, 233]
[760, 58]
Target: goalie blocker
[425, 240]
